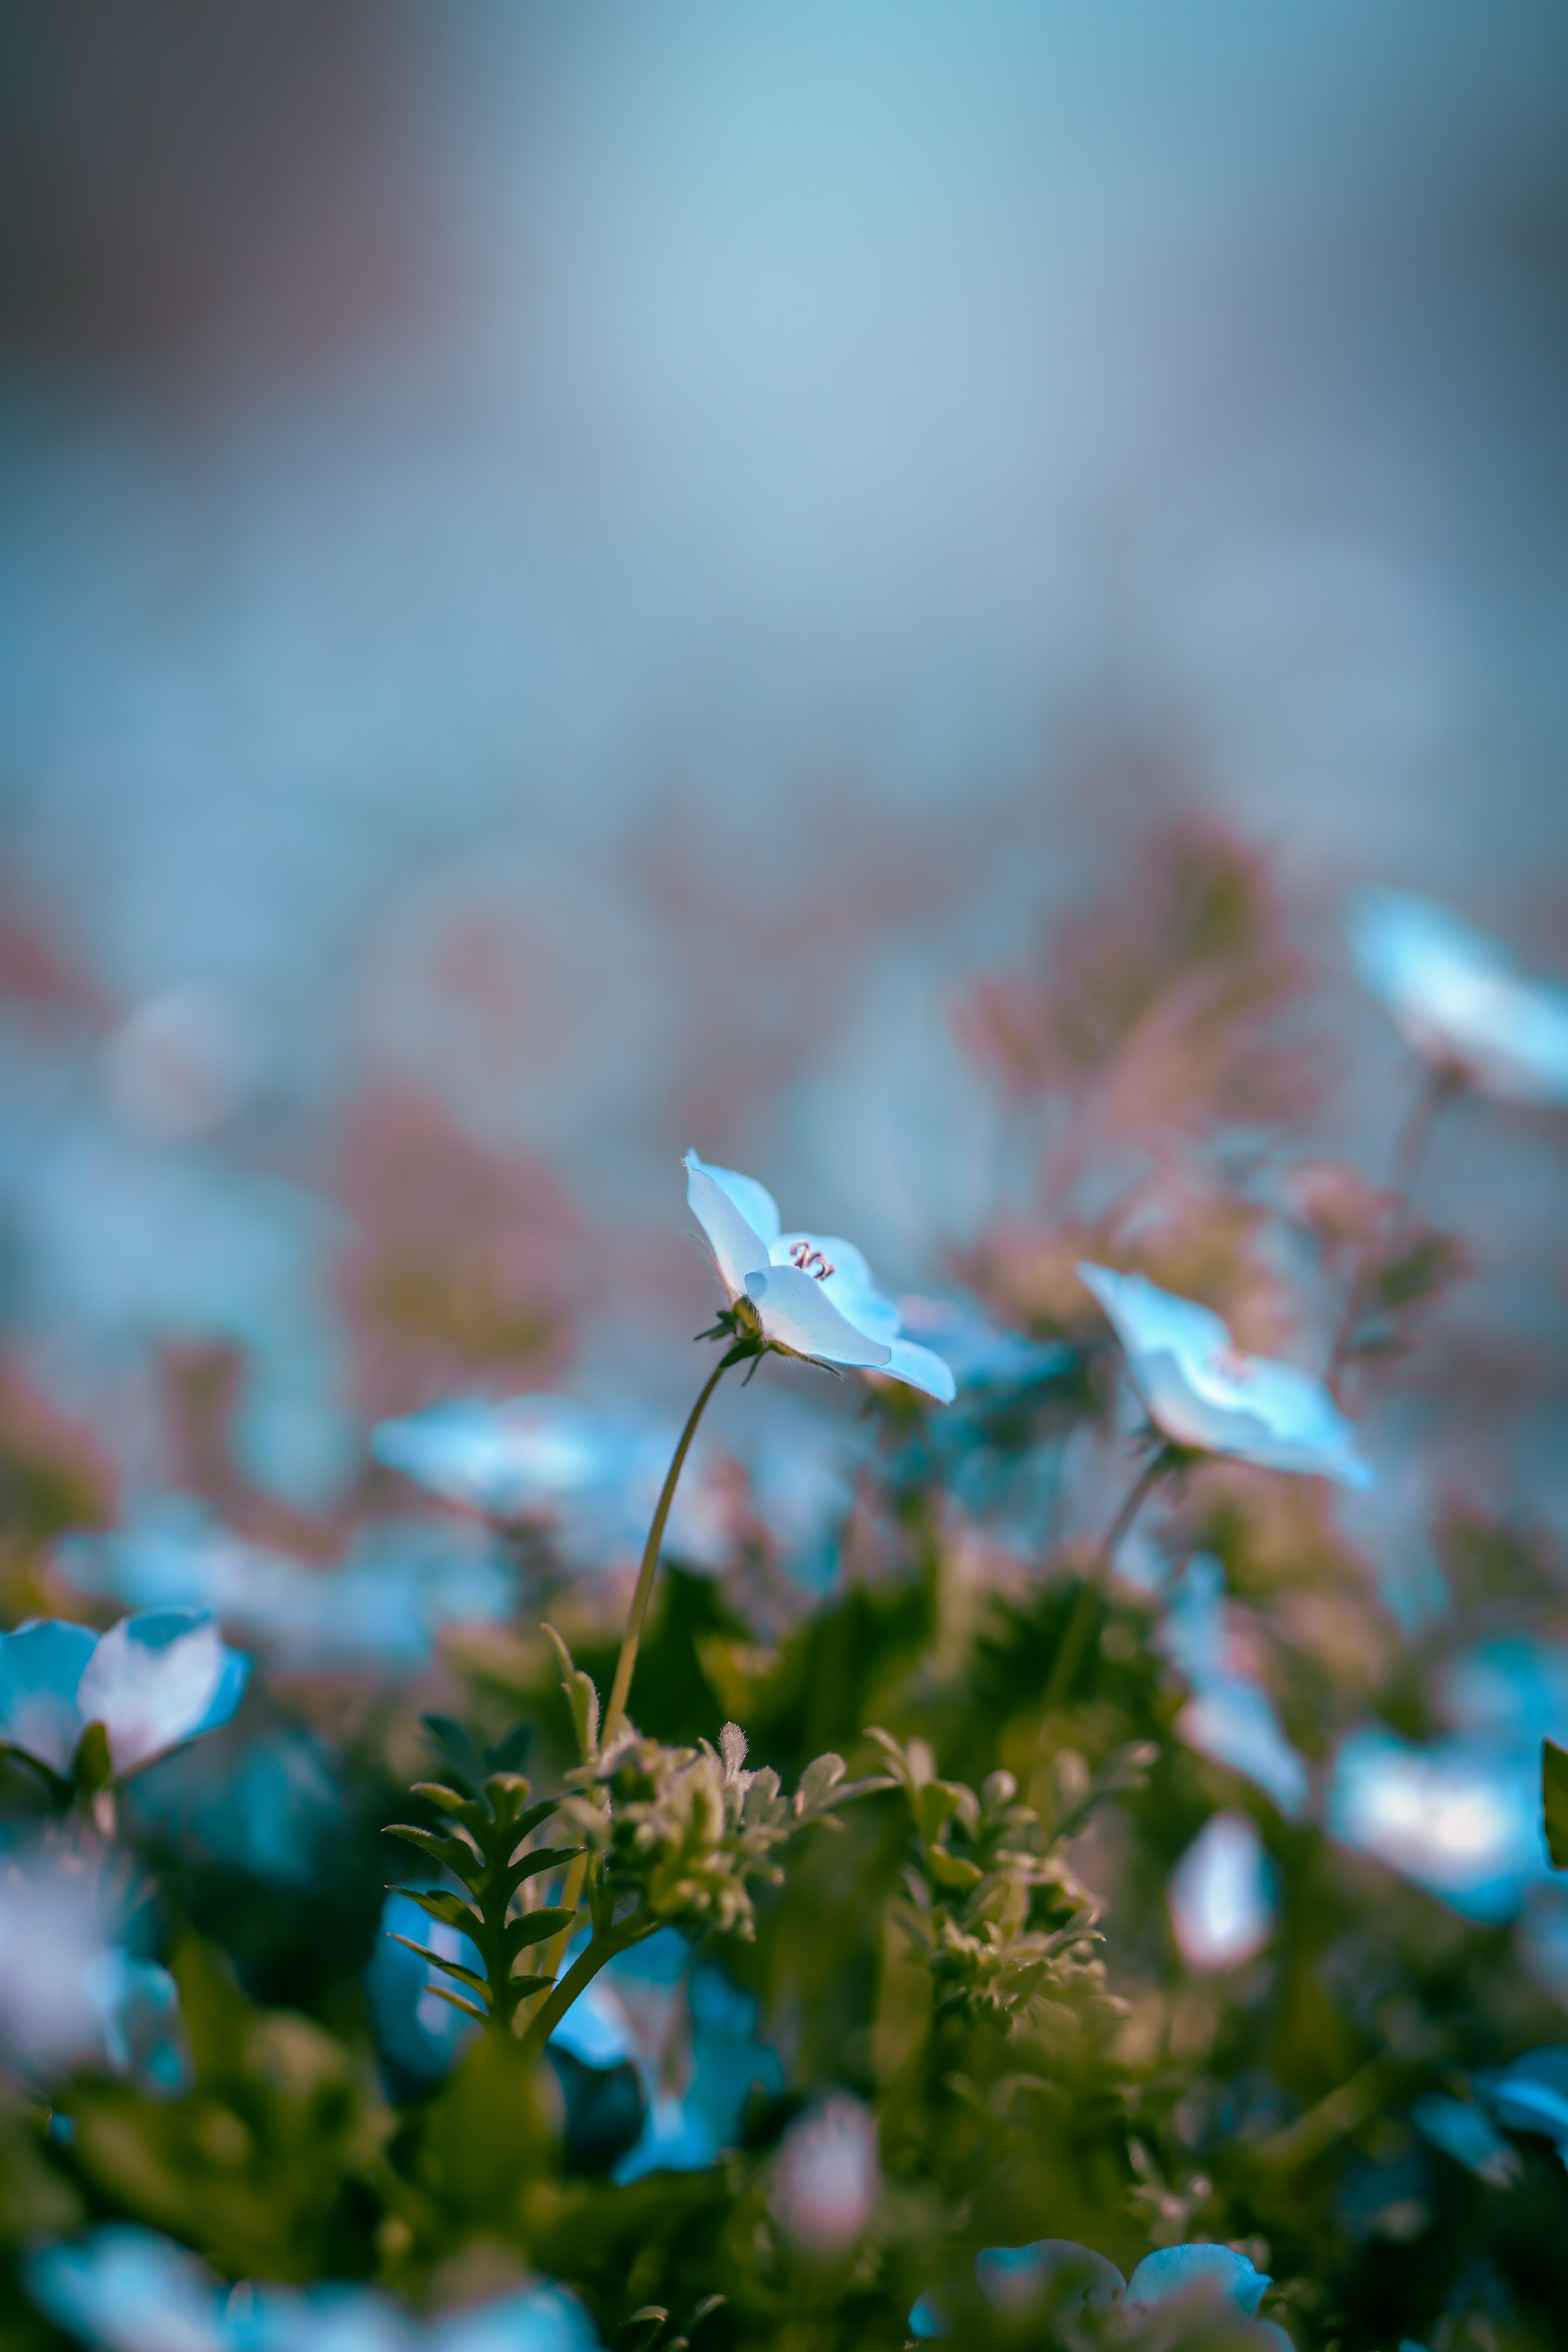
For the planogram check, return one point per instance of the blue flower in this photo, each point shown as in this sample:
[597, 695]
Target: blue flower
[152, 1681]
[69, 1996]
[1462, 2130]
[1531, 2096]
[813, 1294]
[1224, 1894]
[123, 2289]
[1067, 2278]
[980, 1353]
[1229, 1716]
[401, 1582]
[1461, 1817]
[1200, 1390]
[1459, 999]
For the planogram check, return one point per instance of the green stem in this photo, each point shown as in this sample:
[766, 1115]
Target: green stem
[582, 1972]
[1438, 1087]
[620, 1689]
[1080, 1625]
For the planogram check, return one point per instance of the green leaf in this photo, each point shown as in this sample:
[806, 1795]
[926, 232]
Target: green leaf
[534, 1927]
[510, 1754]
[951, 1870]
[528, 1866]
[452, 1968]
[507, 1793]
[467, 1810]
[523, 1986]
[1554, 1800]
[449, 1852]
[444, 1992]
[526, 1824]
[580, 1697]
[450, 1909]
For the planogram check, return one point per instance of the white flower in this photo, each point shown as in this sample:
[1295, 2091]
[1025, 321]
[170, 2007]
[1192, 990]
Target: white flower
[1223, 1894]
[829, 2177]
[813, 1294]
[68, 1996]
[153, 1681]
[1459, 999]
[1200, 1389]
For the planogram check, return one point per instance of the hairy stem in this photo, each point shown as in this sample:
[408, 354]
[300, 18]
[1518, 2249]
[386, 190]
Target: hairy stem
[1080, 1625]
[620, 1689]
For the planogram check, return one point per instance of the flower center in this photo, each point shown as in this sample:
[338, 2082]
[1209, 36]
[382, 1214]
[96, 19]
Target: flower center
[810, 1261]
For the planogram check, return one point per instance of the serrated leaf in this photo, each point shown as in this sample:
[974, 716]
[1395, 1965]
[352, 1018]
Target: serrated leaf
[526, 1824]
[535, 1927]
[450, 1909]
[452, 1968]
[507, 1793]
[580, 1697]
[1554, 1800]
[449, 1852]
[445, 1992]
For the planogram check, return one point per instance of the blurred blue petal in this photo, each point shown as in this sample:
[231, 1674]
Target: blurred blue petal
[1462, 2131]
[400, 1582]
[1228, 1718]
[138, 2004]
[1461, 1819]
[41, 1665]
[1178, 2270]
[1532, 2094]
[1070, 2276]
[1201, 1391]
[1460, 998]
[274, 1811]
[123, 2289]
[981, 1354]
[1224, 1894]
[418, 2033]
[543, 2318]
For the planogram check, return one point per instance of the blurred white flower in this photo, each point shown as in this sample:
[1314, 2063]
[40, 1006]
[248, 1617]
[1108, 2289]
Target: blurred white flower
[829, 2175]
[178, 1066]
[68, 1996]
[1200, 1390]
[813, 1296]
[1229, 1716]
[1460, 1817]
[1460, 1001]
[153, 1681]
[1224, 1894]
[126, 2290]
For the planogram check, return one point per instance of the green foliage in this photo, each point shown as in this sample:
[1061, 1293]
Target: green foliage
[1554, 1800]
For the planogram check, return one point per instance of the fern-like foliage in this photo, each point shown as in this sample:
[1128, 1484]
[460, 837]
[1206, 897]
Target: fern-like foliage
[486, 1821]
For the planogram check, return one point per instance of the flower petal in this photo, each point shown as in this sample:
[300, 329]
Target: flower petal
[922, 1369]
[1177, 2270]
[40, 1666]
[738, 1248]
[798, 1313]
[158, 1679]
[851, 1286]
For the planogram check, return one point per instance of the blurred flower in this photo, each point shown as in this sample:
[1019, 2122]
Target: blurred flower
[829, 2174]
[1460, 1000]
[400, 1582]
[274, 1811]
[691, 2035]
[153, 1681]
[1200, 1390]
[1462, 2131]
[179, 1065]
[68, 1996]
[126, 2290]
[1460, 1817]
[1218, 2270]
[1229, 1716]
[1223, 1895]
[123, 2289]
[813, 1296]
[981, 1354]
[1531, 2096]
[1069, 2276]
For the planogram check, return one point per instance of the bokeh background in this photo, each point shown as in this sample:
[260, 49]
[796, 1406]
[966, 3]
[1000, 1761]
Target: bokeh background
[572, 578]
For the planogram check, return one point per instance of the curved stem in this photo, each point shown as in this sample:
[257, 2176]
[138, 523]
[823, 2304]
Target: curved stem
[1075, 1637]
[620, 1689]
[582, 1972]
